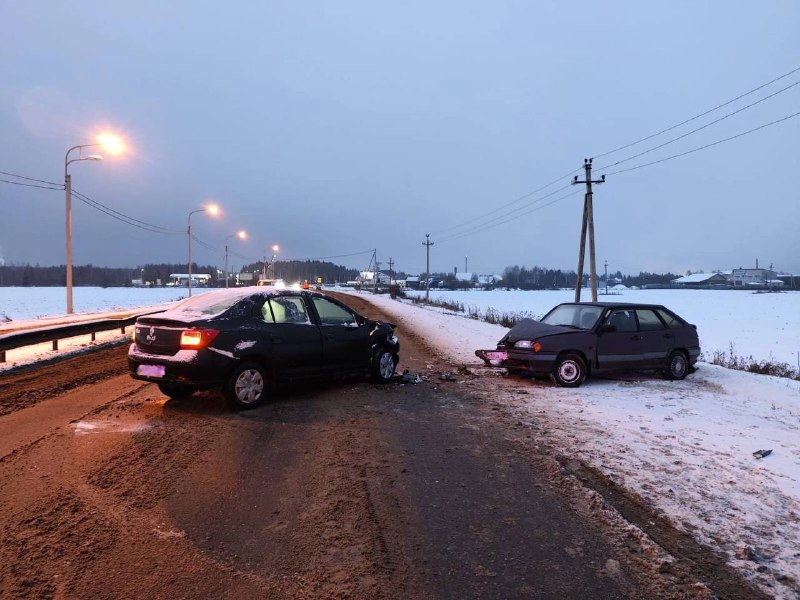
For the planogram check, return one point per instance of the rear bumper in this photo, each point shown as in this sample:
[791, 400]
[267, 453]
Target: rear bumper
[188, 367]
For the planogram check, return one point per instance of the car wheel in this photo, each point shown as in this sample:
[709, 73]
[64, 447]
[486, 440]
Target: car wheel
[247, 386]
[175, 390]
[383, 366]
[569, 370]
[677, 366]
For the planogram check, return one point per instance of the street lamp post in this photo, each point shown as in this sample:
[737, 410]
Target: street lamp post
[111, 144]
[241, 235]
[212, 209]
[275, 250]
[68, 190]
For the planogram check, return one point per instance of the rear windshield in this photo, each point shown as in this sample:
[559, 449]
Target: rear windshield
[208, 304]
[579, 316]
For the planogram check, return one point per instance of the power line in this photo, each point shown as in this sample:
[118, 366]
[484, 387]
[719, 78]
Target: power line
[123, 217]
[507, 204]
[504, 218]
[694, 118]
[32, 185]
[205, 245]
[482, 228]
[727, 139]
[680, 137]
[61, 185]
[337, 256]
[628, 145]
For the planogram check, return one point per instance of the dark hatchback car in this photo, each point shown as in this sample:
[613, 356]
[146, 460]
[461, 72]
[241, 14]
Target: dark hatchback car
[574, 340]
[244, 340]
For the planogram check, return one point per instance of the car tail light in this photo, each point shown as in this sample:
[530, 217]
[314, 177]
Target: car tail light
[195, 339]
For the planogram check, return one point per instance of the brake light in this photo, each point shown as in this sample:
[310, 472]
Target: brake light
[195, 339]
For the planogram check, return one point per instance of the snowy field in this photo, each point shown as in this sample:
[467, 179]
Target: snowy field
[764, 326]
[684, 446]
[26, 303]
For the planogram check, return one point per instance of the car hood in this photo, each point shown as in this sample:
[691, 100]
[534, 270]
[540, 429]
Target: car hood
[529, 329]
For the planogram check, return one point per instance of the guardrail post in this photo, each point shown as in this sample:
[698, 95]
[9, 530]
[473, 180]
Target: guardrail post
[2, 356]
[55, 345]
[94, 335]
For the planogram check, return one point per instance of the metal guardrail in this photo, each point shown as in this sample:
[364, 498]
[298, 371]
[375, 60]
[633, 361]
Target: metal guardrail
[30, 337]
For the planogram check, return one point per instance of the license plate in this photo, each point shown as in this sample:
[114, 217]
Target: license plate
[496, 355]
[150, 370]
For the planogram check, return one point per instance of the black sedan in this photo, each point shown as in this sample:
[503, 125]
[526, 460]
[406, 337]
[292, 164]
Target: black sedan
[243, 340]
[574, 340]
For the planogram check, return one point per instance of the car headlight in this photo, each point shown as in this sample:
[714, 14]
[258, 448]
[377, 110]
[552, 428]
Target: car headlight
[528, 345]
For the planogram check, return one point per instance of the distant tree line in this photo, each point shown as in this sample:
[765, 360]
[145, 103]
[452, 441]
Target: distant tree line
[538, 278]
[154, 274]
[303, 270]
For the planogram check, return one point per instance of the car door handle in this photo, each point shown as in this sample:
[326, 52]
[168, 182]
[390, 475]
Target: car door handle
[668, 335]
[636, 337]
[275, 340]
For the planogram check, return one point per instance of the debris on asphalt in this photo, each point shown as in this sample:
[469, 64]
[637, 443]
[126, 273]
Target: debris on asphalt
[409, 377]
[762, 453]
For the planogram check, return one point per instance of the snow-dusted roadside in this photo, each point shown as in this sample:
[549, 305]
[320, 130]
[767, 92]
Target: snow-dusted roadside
[686, 447]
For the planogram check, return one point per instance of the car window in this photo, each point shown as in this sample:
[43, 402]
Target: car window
[648, 320]
[331, 313]
[671, 320]
[573, 315]
[622, 319]
[288, 309]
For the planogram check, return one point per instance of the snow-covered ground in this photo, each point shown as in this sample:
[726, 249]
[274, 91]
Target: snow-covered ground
[765, 326]
[685, 446]
[25, 303]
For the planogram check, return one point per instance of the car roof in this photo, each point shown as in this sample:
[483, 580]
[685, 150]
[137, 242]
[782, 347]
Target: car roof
[613, 304]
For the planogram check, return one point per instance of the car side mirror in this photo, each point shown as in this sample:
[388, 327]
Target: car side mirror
[608, 329]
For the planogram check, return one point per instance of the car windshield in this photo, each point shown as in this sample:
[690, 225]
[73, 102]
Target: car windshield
[578, 316]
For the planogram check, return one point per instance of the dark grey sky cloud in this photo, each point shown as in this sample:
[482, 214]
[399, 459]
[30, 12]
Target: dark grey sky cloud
[335, 127]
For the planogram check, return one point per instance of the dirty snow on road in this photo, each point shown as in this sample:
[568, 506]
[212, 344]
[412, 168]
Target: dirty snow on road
[685, 446]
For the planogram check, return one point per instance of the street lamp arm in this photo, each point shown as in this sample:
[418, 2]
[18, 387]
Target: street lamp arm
[67, 161]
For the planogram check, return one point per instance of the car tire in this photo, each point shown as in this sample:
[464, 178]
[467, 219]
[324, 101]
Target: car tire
[569, 371]
[677, 366]
[383, 365]
[176, 391]
[246, 387]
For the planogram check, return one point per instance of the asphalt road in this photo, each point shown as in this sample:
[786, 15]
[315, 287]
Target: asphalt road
[342, 490]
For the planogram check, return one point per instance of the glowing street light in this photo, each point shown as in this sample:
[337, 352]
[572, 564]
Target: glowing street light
[111, 144]
[211, 209]
[275, 250]
[242, 235]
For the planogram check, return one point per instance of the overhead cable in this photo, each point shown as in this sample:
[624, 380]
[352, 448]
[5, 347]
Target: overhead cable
[694, 118]
[716, 143]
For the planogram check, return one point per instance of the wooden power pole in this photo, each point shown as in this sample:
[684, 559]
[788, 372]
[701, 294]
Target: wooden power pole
[588, 224]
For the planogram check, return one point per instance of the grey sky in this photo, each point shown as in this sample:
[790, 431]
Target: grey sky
[336, 127]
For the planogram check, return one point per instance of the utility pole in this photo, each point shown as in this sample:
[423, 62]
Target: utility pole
[391, 276]
[427, 243]
[606, 265]
[466, 265]
[375, 279]
[588, 223]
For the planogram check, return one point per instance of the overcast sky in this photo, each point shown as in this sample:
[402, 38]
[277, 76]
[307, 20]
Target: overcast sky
[331, 128]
